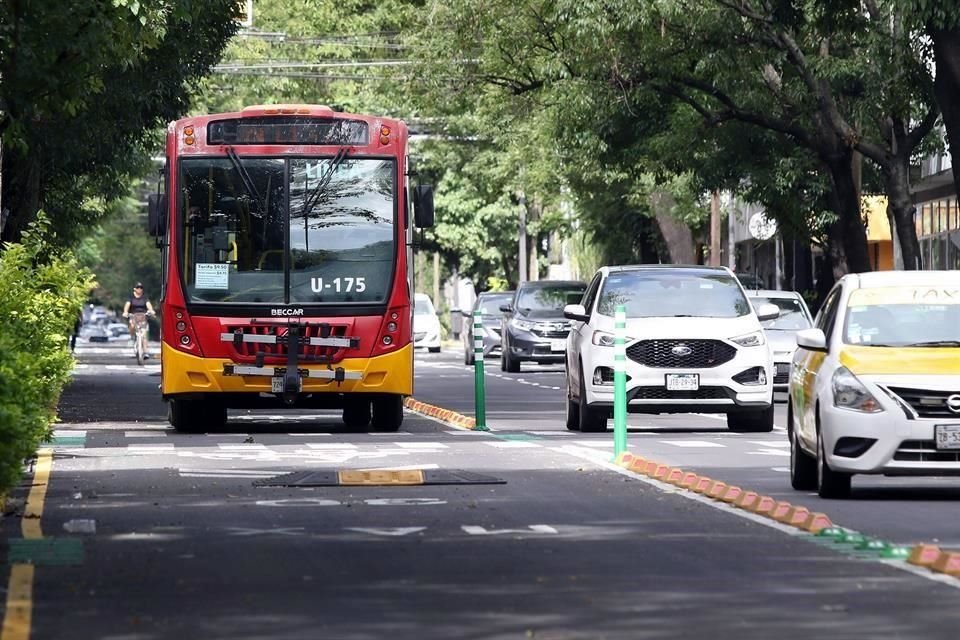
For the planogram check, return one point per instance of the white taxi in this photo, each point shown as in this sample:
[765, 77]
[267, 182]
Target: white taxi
[875, 384]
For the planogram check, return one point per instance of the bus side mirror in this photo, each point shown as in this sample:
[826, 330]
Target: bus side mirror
[156, 214]
[423, 206]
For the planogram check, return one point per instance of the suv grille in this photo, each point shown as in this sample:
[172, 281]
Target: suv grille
[661, 393]
[927, 404]
[663, 354]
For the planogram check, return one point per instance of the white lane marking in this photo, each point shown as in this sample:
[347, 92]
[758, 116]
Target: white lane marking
[780, 469]
[244, 531]
[243, 446]
[80, 526]
[298, 502]
[149, 448]
[770, 443]
[420, 445]
[475, 530]
[387, 531]
[592, 456]
[512, 444]
[550, 433]
[693, 444]
[331, 445]
[597, 444]
[229, 473]
[310, 435]
[159, 433]
[403, 502]
[769, 452]
[406, 467]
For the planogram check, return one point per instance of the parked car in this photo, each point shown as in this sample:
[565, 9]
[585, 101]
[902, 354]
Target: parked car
[488, 304]
[782, 330]
[533, 327]
[875, 384]
[118, 330]
[426, 323]
[694, 344]
[96, 333]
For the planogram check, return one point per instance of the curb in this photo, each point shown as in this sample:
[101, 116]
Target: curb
[451, 418]
[927, 556]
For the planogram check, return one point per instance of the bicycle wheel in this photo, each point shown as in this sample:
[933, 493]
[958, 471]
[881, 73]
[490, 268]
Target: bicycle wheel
[141, 347]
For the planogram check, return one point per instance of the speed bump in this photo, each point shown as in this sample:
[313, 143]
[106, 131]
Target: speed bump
[377, 477]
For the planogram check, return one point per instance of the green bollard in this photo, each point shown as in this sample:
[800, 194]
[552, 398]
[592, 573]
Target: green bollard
[619, 381]
[478, 383]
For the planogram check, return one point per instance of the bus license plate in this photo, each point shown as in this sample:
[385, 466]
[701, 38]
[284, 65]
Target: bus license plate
[276, 384]
[947, 436]
[558, 345]
[683, 381]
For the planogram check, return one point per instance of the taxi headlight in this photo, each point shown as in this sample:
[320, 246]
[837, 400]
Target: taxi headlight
[754, 339]
[850, 393]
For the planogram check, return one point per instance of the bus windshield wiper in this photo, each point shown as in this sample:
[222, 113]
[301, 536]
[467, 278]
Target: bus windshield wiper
[247, 181]
[935, 343]
[314, 196]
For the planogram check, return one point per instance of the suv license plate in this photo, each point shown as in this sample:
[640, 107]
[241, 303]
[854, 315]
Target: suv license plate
[683, 381]
[558, 345]
[276, 384]
[947, 436]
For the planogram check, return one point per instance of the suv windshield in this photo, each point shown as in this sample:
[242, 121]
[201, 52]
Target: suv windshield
[667, 293]
[488, 304]
[548, 299]
[791, 318]
[277, 230]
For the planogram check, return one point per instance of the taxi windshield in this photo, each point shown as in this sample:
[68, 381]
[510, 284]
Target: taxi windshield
[914, 319]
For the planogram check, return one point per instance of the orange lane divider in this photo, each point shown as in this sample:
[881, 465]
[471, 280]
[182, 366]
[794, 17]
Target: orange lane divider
[947, 562]
[924, 555]
[450, 417]
[764, 506]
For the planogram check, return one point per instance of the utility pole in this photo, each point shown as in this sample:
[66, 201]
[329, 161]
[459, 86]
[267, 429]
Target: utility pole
[714, 258]
[436, 279]
[523, 236]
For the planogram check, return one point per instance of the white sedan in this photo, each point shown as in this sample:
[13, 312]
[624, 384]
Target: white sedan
[875, 384]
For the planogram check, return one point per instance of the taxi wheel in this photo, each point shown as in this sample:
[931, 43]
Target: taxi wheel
[573, 409]
[830, 483]
[803, 468]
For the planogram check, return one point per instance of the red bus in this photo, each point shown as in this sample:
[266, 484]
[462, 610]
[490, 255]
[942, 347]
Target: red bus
[286, 236]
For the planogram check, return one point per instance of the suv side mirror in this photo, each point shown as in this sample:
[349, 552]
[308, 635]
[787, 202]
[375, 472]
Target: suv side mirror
[423, 206]
[768, 311]
[576, 312]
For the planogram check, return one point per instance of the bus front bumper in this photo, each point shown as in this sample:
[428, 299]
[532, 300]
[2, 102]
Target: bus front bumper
[183, 373]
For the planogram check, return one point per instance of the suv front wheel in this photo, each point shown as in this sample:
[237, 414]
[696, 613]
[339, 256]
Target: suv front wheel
[757, 421]
[591, 418]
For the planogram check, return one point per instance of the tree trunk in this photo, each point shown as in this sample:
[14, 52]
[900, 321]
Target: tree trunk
[848, 238]
[676, 235]
[900, 209]
[946, 53]
[21, 192]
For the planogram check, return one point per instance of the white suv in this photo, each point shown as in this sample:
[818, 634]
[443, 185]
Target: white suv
[694, 344]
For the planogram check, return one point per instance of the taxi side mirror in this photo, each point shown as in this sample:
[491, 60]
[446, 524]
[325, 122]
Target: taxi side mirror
[812, 340]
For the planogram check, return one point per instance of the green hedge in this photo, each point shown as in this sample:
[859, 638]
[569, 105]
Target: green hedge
[41, 293]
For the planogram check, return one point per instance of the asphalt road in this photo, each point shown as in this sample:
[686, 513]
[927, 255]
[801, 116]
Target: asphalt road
[148, 533]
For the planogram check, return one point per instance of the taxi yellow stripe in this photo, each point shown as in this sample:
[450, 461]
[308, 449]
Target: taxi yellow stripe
[901, 360]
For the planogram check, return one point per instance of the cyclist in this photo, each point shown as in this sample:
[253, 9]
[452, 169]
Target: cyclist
[136, 308]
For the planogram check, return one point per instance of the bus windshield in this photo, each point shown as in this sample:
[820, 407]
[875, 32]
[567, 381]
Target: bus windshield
[287, 230]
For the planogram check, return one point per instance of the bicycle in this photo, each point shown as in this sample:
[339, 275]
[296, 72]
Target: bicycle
[139, 320]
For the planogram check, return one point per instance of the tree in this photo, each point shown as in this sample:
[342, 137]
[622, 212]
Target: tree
[85, 86]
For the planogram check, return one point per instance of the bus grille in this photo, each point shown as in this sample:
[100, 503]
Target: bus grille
[247, 351]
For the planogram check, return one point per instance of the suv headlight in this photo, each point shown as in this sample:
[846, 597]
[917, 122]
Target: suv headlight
[602, 339]
[522, 324]
[754, 339]
[850, 393]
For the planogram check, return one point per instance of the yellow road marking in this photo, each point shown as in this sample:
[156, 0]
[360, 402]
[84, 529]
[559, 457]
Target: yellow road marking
[19, 611]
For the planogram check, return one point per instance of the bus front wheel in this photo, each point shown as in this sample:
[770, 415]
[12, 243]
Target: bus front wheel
[388, 413]
[193, 415]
